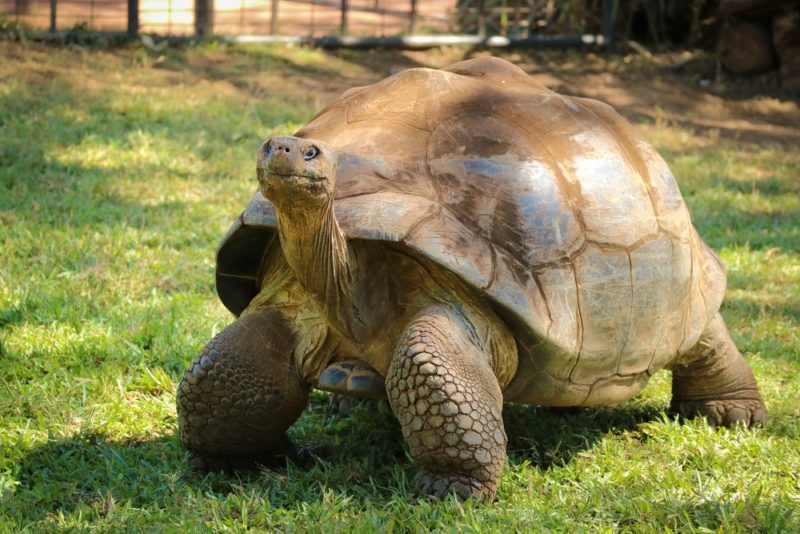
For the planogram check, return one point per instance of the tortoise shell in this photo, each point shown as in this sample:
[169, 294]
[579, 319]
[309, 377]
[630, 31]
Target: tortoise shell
[552, 207]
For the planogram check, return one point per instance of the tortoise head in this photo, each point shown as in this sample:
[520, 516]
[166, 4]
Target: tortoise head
[295, 172]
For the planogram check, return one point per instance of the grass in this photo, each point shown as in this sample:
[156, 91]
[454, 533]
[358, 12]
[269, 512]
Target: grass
[119, 172]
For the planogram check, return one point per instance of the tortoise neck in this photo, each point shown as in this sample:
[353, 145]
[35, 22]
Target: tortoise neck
[316, 250]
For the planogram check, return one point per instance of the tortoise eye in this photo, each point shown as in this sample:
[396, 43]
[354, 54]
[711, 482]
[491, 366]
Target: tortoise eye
[311, 153]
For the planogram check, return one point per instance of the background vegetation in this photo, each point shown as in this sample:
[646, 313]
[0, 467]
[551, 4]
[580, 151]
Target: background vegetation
[119, 172]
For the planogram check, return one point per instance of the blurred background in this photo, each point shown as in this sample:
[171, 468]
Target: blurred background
[747, 36]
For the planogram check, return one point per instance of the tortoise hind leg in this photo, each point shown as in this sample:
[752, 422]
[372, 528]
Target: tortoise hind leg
[717, 382]
[448, 401]
[241, 395]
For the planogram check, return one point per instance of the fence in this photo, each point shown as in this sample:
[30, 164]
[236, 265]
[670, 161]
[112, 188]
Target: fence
[532, 21]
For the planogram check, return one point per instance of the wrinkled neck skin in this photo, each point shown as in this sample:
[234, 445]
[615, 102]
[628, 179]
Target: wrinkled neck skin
[317, 252]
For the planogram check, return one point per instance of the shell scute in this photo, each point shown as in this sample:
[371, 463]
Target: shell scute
[520, 290]
[364, 165]
[605, 175]
[528, 213]
[445, 240]
[670, 210]
[615, 389]
[564, 334]
[413, 88]
[490, 67]
[260, 212]
[707, 287]
[604, 309]
[384, 216]
[659, 286]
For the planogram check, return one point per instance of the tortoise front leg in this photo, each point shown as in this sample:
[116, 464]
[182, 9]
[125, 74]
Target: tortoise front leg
[449, 404]
[241, 394]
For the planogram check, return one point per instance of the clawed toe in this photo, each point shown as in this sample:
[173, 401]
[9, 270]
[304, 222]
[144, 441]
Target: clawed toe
[202, 464]
[440, 486]
[726, 412]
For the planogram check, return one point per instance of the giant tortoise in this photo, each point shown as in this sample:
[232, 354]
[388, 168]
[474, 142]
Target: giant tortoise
[473, 238]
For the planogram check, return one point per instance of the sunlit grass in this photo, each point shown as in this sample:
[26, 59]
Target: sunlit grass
[119, 172]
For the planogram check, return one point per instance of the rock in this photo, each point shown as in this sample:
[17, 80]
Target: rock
[786, 29]
[745, 46]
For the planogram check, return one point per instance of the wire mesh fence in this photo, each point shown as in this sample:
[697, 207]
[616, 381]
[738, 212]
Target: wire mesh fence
[518, 19]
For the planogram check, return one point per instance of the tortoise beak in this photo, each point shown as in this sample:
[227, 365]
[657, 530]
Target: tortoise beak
[282, 156]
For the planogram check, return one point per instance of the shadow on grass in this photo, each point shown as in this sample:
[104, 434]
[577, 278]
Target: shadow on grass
[13, 316]
[87, 469]
[361, 454]
[548, 437]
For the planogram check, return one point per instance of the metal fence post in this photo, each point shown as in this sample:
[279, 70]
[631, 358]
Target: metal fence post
[412, 25]
[610, 8]
[343, 26]
[204, 18]
[133, 17]
[53, 23]
[20, 8]
[273, 22]
[481, 19]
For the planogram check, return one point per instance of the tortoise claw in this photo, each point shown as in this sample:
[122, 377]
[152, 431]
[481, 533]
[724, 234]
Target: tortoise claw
[440, 486]
[745, 412]
[201, 464]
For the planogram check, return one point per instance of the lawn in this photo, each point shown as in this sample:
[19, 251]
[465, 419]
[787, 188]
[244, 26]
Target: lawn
[121, 169]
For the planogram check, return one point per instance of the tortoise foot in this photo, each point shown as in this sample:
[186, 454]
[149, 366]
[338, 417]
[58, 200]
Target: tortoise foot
[202, 463]
[440, 486]
[746, 412]
[717, 383]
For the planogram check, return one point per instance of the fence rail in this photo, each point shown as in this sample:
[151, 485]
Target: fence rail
[335, 22]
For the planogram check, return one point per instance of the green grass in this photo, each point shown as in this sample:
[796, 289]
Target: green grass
[120, 171]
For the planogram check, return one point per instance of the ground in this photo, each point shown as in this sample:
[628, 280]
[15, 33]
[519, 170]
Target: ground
[120, 170]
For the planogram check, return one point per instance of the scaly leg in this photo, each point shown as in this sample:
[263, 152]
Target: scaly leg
[449, 404]
[237, 400]
[717, 382]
